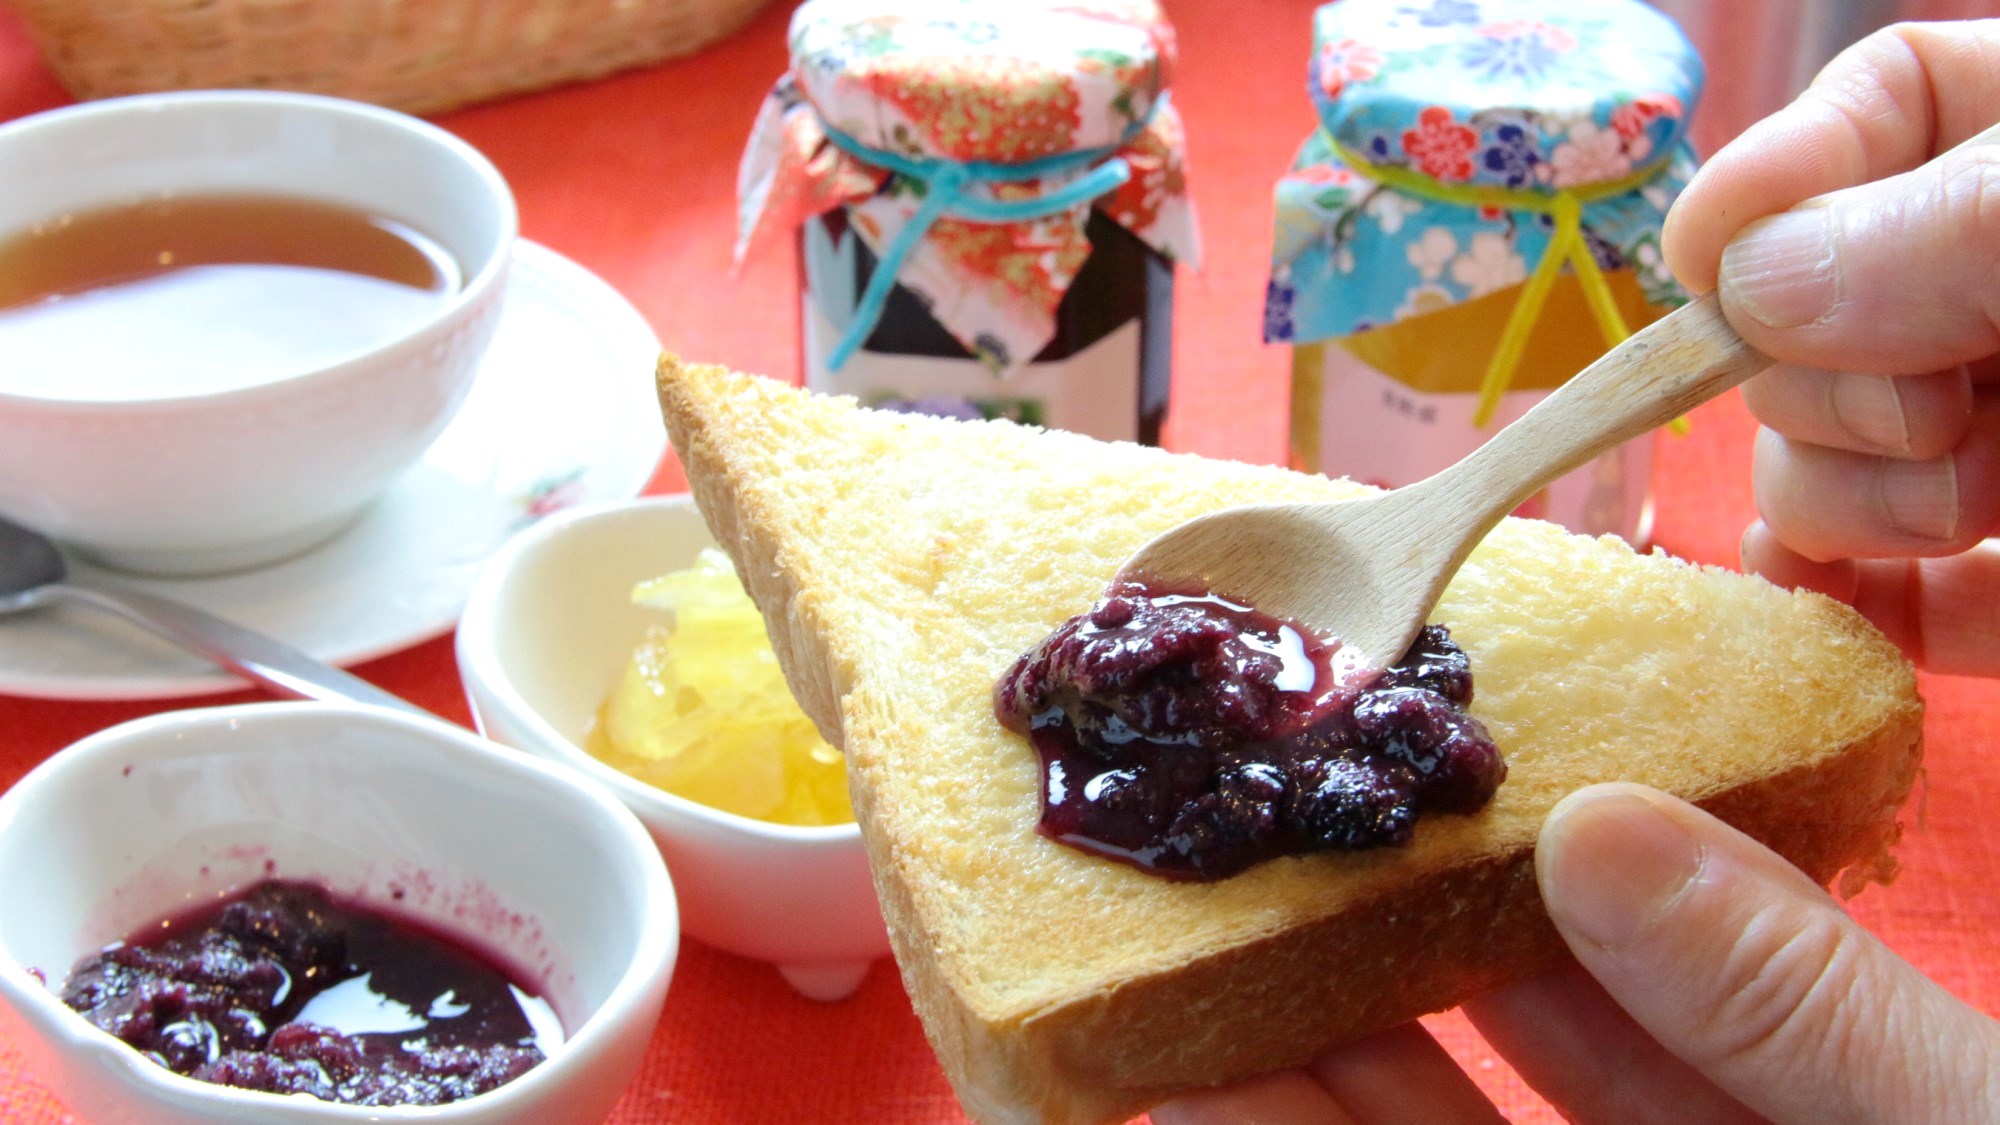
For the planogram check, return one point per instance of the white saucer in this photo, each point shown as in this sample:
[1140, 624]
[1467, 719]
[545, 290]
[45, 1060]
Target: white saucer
[563, 414]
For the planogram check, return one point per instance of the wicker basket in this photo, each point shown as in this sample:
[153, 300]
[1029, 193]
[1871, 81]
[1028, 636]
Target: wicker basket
[419, 56]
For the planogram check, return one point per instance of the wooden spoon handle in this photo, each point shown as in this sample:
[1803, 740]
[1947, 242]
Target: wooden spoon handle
[1678, 362]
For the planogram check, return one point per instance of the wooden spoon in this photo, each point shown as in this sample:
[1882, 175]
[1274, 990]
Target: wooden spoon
[1368, 572]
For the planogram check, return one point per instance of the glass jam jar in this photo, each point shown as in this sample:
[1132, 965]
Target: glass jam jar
[1475, 221]
[989, 203]
[1105, 372]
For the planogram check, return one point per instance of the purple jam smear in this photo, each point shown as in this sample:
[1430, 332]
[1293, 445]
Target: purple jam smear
[1195, 737]
[287, 990]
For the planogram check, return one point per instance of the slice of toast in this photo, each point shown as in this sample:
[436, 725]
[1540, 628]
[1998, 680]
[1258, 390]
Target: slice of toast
[903, 562]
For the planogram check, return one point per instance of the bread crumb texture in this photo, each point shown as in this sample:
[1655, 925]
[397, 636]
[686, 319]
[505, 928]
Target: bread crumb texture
[903, 562]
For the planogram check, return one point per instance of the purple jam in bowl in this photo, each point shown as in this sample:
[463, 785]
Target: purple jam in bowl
[289, 990]
[1195, 737]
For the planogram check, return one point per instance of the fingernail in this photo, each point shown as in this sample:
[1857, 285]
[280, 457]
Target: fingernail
[1611, 864]
[1870, 407]
[1780, 269]
[1920, 498]
[1746, 545]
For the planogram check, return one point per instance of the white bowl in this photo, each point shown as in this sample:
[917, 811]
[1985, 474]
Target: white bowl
[205, 482]
[142, 820]
[548, 630]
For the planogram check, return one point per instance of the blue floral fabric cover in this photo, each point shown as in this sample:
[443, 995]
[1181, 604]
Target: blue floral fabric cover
[1516, 95]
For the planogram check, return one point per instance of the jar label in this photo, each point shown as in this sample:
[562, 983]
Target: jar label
[1377, 430]
[1094, 391]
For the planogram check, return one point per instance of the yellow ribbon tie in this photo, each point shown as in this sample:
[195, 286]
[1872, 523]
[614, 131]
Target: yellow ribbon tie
[1567, 244]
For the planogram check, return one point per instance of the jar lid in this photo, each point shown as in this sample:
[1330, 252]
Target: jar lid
[1351, 253]
[1521, 95]
[999, 81]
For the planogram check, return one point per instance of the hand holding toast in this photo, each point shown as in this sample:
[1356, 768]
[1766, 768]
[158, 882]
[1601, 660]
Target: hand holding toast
[1713, 982]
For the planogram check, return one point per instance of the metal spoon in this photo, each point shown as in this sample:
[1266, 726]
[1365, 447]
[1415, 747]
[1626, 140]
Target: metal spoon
[1368, 572]
[32, 575]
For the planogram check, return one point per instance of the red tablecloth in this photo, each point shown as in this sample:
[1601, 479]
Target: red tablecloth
[633, 176]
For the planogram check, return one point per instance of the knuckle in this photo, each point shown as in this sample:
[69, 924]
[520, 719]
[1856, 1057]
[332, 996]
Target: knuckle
[1969, 187]
[1782, 984]
[1884, 88]
[1803, 493]
[1941, 49]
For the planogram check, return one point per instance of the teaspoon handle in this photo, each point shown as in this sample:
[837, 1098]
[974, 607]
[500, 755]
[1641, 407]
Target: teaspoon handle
[1666, 369]
[275, 665]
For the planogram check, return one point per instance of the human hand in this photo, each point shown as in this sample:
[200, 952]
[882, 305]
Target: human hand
[1713, 983]
[1852, 242]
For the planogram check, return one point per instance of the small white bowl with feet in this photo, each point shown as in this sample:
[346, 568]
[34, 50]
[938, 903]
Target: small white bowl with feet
[404, 815]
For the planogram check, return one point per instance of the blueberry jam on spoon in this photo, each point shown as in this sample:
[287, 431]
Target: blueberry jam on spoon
[1195, 737]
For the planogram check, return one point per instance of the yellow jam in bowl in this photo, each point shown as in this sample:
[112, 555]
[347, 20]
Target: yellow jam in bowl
[702, 709]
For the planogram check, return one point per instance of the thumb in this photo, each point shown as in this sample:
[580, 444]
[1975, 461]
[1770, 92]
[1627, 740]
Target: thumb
[1740, 965]
[1894, 277]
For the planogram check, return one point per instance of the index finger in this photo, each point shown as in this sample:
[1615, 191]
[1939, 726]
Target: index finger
[1874, 111]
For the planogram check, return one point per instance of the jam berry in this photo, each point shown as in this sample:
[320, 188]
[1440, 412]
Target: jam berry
[218, 996]
[1448, 750]
[336, 1067]
[1196, 737]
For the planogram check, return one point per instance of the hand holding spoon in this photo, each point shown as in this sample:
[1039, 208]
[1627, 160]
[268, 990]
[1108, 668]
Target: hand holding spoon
[32, 575]
[1368, 572]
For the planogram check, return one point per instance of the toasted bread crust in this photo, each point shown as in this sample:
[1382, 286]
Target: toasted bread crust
[1429, 942]
[1436, 942]
[804, 648]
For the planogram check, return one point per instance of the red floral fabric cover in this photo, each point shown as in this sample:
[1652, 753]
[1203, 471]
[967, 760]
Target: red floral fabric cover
[1006, 82]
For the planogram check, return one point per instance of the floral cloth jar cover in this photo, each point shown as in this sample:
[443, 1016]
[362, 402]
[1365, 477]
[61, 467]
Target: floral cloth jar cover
[953, 168]
[1477, 218]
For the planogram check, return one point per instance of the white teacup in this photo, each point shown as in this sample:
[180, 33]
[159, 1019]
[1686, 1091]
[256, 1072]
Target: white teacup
[198, 481]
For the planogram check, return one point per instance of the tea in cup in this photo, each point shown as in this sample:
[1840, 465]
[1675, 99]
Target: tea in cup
[233, 318]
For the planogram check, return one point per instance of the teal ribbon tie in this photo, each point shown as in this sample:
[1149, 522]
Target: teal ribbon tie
[945, 182]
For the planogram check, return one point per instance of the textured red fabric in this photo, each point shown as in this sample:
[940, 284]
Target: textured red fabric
[633, 176]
